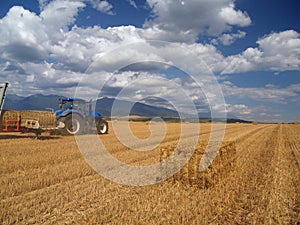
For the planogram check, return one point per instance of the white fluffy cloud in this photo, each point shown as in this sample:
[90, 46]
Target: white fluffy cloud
[48, 36]
[276, 52]
[23, 37]
[264, 103]
[195, 17]
[102, 6]
[234, 17]
[269, 93]
[229, 38]
[26, 36]
[286, 43]
[238, 109]
[58, 15]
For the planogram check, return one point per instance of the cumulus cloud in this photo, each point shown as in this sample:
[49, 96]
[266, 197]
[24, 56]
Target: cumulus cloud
[47, 36]
[261, 113]
[270, 93]
[26, 36]
[265, 103]
[238, 109]
[59, 14]
[229, 38]
[195, 17]
[234, 17]
[276, 52]
[286, 43]
[102, 6]
[22, 35]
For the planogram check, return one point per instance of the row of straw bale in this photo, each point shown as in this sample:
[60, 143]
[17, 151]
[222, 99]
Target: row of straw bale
[222, 166]
[45, 119]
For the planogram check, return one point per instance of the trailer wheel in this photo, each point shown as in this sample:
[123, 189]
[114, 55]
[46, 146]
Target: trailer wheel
[102, 126]
[73, 125]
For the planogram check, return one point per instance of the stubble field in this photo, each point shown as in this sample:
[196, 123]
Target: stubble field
[255, 179]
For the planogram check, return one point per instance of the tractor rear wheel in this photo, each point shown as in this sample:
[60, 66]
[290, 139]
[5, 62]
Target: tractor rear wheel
[102, 126]
[73, 125]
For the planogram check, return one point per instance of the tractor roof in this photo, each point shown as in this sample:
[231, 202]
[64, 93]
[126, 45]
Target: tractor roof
[72, 99]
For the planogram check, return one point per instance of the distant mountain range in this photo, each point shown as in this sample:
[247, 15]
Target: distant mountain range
[103, 106]
[33, 102]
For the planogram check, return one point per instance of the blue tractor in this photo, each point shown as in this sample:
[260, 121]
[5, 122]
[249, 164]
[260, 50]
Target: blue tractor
[80, 117]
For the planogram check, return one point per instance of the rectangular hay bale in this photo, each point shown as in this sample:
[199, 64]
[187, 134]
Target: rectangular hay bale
[8, 115]
[46, 119]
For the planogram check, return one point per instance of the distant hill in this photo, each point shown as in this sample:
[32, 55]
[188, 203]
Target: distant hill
[103, 106]
[33, 102]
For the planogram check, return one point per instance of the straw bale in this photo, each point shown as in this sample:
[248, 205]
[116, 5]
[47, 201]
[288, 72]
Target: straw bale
[9, 115]
[222, 166]
[46, 119]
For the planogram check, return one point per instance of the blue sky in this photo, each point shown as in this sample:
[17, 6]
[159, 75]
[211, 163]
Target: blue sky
[251, 48]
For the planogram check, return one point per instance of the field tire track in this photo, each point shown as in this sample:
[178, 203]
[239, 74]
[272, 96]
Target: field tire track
[291, 145]
[251, 177]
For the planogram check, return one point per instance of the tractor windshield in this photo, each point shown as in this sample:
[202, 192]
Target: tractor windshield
[66, 105]
[79, 105]
[76, 105]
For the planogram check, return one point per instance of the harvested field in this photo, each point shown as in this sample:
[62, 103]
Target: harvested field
[254, 179]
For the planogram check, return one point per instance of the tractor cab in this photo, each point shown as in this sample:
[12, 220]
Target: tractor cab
[74, 105]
